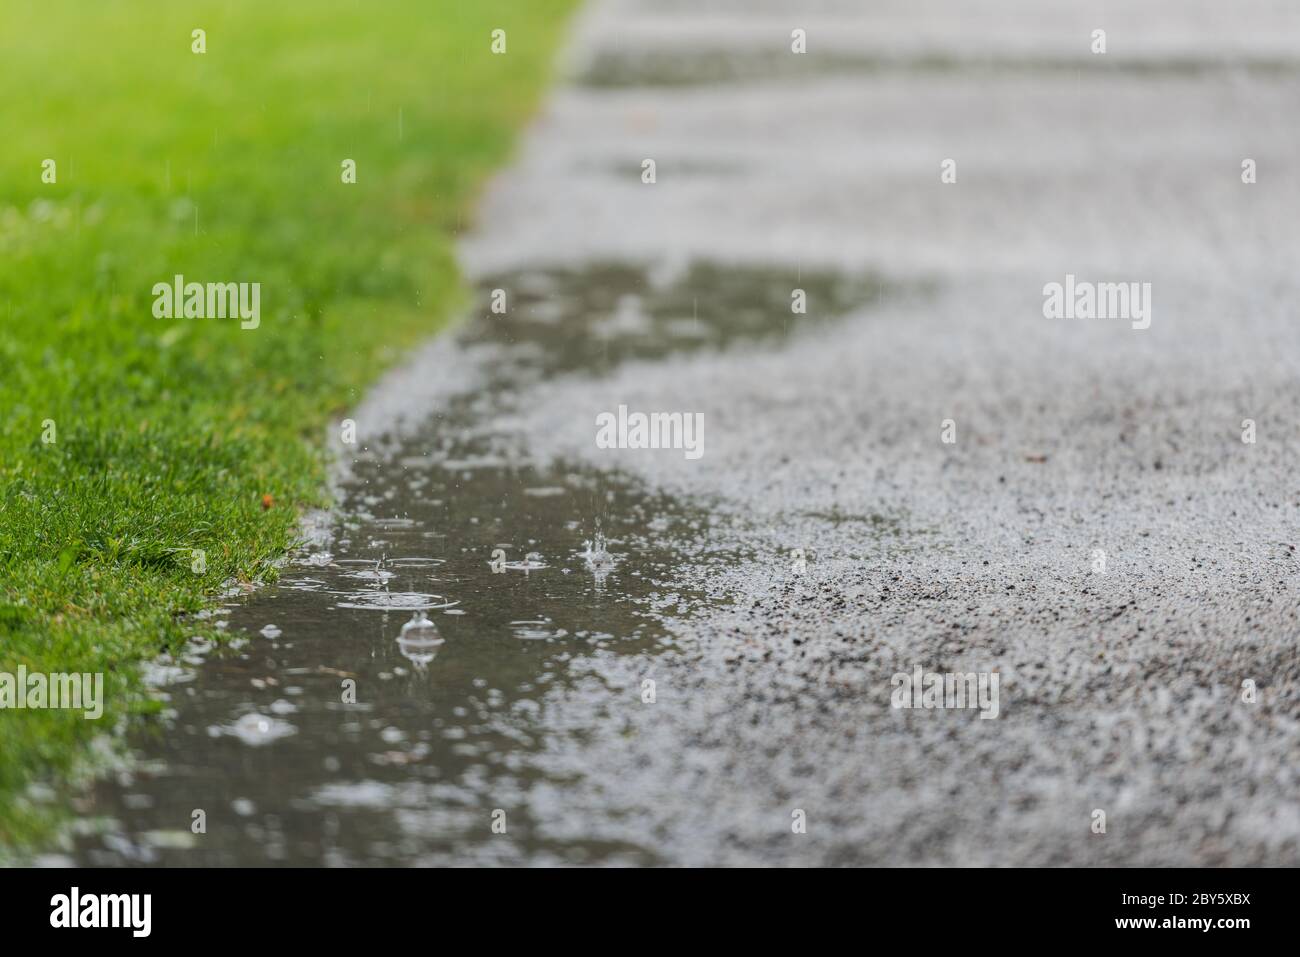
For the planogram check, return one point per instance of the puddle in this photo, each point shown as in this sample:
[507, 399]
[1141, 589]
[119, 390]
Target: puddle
[589, 319]
[684, 68]
[446, 717]
[394, 689]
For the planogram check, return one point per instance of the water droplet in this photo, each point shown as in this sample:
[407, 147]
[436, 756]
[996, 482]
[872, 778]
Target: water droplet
[419, 628]
[419, 640]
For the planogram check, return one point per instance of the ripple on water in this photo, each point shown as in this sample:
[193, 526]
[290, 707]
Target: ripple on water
[372, 575]
[545, 491]
[540, 629]
[255, 729]
[374, 794]
[394, 522]
[304, 584]
[385, 600]
[531, 562]
[416, 562]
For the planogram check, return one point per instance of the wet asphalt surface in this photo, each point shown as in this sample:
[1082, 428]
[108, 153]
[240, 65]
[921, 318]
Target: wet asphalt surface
[722, 666]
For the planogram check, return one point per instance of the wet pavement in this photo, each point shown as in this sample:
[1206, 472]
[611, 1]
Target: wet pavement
[329, 731]
[641, 658]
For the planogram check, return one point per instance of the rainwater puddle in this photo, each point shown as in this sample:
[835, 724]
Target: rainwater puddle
[355, 741]
[395, 689]
[659, 67]
[590, 319]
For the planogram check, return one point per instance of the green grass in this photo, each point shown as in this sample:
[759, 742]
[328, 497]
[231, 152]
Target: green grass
[223, 166]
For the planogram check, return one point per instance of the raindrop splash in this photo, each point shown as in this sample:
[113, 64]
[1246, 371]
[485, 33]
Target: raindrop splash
[257, 729]
[419, 640]
[597, 556]
[531, 563]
